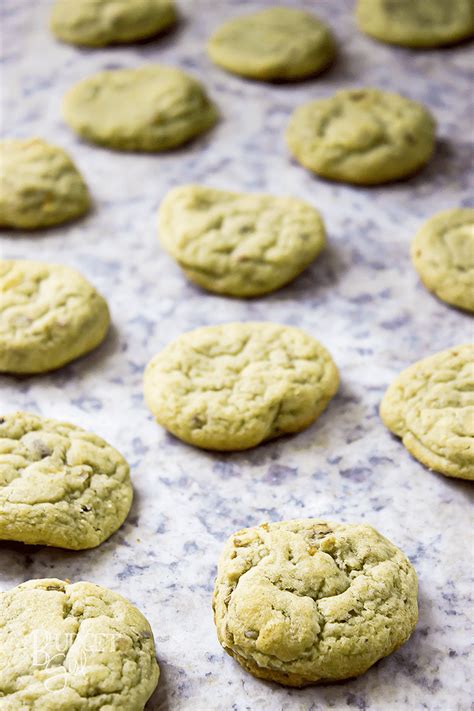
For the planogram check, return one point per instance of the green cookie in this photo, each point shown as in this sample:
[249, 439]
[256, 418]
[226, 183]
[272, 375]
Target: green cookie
[97, 23]
[49, 315]
[152, 108]
[238, 243]
[73, 647]
[362, 136]
[276, 43]
[306, 601]
[39, 185]
[59, 485]
[417, 23]
[233, 386]
[431, 407]
[443, 255]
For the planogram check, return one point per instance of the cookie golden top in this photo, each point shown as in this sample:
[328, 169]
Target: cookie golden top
[309, 600]
[431, 407]
[233, 386]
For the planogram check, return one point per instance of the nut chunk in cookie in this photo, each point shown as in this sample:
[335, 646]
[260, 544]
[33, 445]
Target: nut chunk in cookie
[233, 386]
[59, 485]
[306, 601]
[431, 407]
[49, 315]
[74, 646]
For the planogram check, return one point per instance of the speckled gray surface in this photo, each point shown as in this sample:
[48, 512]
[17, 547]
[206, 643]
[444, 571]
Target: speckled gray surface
[361, 298]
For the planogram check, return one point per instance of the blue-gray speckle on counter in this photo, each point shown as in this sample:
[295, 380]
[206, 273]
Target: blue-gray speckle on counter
[361, 298]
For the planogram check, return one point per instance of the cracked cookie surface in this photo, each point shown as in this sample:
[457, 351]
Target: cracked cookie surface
[306, 601]
[443, 255]
[233, 386]
[97, 23]
[416, 23]
[49, 315]
[239, 244]
[362, 136]
[73, 647]
[431, 407]
[276, 43]
[39, 185]
[152, 108]
[59, 485]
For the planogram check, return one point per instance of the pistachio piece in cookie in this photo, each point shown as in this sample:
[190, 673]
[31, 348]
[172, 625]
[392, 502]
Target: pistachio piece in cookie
[239, 244]
[443, 255]
[39, 185]
[59, 485]
[233, 386]
[307, 601]
[74, 646]
[362, 136]
[49, 315]
[430, 406]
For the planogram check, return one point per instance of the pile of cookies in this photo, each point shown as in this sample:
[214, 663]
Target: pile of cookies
[296, 602]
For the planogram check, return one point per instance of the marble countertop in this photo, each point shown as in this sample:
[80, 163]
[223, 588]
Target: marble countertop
[361, 298]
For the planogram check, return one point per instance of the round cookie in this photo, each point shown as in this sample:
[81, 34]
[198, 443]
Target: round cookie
[416, 23]
[306, 601]
[49, 315]
[74, 646]
[233, 386]
[39, 185]
[97, 23]
[59, 485]
[239, 244]
[362, 136]
[152, 108]
[276, 43]
[443, 255]
[431, 407]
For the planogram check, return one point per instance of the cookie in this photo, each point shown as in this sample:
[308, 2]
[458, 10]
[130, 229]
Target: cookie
[416, 23]
[443, 255]
[79, 647]
[39, 185]
[152, 108]
[276, 43]
[49, 315]
[239, 244]
[233, 386]
[362, 136]
[59, 485]
[430, 406]
[306, 601]
[97, 23]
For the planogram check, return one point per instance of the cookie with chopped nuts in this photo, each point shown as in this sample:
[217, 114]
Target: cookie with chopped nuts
[307, 601]
[233, 386]
[59, 485]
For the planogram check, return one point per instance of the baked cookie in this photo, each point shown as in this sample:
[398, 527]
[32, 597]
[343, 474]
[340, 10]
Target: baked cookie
[39, 185]
[76, 646]
[276, 43]
[416, 23]
[59, 485]
[97, 23]
[431, 407]
[306, 601]
[233, 386]
[49, 315]
[443, 255]
[152, 108]
[362, 136]
[239, 244]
